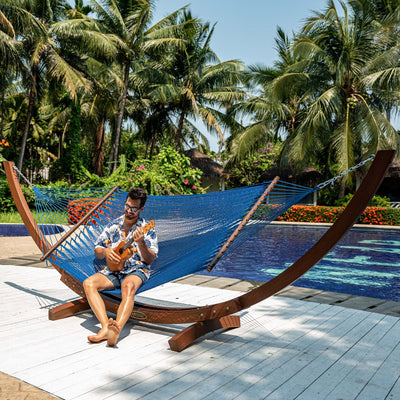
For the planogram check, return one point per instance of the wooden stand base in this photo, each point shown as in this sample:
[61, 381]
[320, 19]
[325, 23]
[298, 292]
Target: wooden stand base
[188, 335]
[68, 309]
[177, 343]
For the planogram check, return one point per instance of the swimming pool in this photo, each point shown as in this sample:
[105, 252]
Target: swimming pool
[20, 229]
[366, 261]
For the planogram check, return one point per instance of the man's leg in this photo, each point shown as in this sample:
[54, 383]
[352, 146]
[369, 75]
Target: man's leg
[129, 287]
[92, 285]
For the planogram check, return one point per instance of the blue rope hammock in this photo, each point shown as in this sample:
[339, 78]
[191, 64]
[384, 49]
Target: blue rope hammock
[191, 229]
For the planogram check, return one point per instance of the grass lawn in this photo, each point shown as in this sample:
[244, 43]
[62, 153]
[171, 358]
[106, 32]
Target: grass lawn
[13, 217]
[10, 218]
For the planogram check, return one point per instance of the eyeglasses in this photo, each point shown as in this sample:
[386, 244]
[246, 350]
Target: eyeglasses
[132, 210]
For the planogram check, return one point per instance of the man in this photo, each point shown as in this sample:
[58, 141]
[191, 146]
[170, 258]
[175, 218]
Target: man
[135, 266]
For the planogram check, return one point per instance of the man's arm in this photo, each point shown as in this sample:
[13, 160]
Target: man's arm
[108, 254]
[148, 255]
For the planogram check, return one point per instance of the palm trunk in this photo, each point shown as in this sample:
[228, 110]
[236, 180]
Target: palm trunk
[2, 108]
[178, 133]
[32, 96]
[153, 145]
[342, 187]
[115, 154]
[98, 160]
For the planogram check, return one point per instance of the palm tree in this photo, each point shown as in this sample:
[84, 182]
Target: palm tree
[9, 57]
[40, 55]
[272, 108]
[129, 22]
[202, 87]
[347, 71]
[335, 88]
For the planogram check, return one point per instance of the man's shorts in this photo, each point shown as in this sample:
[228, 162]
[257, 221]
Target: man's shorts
[117, 278]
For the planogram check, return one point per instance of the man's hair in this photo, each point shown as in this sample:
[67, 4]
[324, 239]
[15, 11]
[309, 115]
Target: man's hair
[138, 194]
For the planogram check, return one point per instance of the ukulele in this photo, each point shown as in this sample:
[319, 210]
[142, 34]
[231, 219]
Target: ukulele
[122, 249]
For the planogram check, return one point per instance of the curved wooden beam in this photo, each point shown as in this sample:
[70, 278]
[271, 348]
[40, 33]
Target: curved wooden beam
[168, 315]
[22, 206]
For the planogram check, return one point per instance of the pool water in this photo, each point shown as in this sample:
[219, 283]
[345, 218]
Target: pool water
[366, 261]
[20, 229]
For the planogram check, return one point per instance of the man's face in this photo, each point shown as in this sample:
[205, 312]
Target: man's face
[132, 209]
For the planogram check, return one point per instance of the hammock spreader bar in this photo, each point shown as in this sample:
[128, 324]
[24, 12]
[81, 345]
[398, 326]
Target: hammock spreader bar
[214, 261]
[80, 222]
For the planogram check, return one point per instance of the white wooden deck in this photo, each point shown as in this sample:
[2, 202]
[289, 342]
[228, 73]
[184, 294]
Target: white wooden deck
[285, 349]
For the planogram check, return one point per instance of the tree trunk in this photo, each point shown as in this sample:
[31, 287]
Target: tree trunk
[113, 165]
[178, 133]
[153, 145]
[342, 187]
[98, 159]
[2, 110]
[32, 97]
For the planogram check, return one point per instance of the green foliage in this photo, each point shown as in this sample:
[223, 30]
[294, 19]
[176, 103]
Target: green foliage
[168, 173]
[249, 170]
[10, 217]
[328, 196]
[343, 201]
[69, 164]
[380, 201]
[6, 200]
[376, 201]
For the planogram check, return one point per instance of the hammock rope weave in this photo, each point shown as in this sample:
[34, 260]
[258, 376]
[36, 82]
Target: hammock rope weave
[191, 229]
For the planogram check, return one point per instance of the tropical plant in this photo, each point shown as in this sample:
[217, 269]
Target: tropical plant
[39, 55]
[346, 68]
[203, 87]
[167, 173]
[129, 23]
[251, 167]
[331, 93]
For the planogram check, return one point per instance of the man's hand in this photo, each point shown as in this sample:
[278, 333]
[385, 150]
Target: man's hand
[112, 257]
[138, 235]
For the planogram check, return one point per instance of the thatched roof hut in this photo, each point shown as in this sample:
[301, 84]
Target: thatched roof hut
[212, 171]
[308, 177]
[390, 185]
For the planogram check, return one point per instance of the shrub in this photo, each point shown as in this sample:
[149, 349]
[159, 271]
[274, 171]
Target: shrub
[6, 200]
[168, 173]
[321, 214]
[376, 201]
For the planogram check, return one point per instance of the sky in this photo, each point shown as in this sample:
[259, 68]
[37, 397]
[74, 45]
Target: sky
[245, 30]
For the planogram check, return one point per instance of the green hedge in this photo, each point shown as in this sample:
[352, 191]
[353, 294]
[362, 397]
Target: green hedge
[320, 214]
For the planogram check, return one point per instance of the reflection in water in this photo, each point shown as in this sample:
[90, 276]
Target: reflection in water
[365, 262]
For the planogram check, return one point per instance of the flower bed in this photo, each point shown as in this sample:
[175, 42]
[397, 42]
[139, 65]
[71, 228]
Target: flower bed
[319, 214]
[78, 208]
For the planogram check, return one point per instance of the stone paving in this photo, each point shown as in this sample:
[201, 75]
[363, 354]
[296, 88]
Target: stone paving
[13, 389]
[28, 255]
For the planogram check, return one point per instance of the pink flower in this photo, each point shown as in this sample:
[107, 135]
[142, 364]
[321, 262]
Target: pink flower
[186, 181]
[194, 187]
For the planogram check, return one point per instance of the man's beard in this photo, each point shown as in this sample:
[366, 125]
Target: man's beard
[131, 217]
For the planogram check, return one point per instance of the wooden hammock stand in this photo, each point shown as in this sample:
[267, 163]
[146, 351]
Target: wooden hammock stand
[217, 316]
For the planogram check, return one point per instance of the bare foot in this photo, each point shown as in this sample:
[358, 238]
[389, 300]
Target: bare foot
[113, 332]
[101, 336]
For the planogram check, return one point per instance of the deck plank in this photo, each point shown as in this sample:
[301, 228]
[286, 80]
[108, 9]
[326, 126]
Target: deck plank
[285, 348]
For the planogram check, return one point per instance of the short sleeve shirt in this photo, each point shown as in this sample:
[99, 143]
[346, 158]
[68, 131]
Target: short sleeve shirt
[112, 236]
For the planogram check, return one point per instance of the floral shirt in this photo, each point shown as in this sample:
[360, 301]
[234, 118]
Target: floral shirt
[112, 236]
